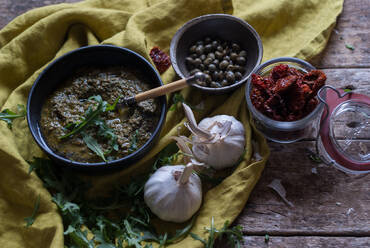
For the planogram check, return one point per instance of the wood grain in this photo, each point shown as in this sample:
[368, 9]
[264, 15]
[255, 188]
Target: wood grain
[327, 201]
[9, 9]
[353, 28]
[306, 242]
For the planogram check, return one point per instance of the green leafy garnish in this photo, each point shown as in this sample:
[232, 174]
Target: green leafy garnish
[29, 220]
[233, 235]
[347, 90]
[313, 156]
[92, 117]
[93, 145]
[177, 98]
[127, 229]
[267, 238]
[8, 116]
[133, 142]
[350, 47]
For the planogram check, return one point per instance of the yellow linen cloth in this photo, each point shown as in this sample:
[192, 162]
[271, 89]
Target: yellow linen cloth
[288, 28]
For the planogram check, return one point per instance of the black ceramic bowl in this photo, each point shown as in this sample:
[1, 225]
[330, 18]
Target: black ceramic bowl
[225, 27]
[63, 67]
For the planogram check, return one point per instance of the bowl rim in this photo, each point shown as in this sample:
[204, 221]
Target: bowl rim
[110, 164]
[199, 19]
[280, 125]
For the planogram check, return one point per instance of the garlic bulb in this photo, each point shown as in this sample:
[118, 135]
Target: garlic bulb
[218, 141]
[174, 193]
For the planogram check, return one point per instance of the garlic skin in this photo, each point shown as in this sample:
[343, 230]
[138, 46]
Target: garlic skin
[226, 151]
[218, 141]
[174, 193]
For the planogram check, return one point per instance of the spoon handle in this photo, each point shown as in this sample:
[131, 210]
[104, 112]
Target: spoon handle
[162, 90]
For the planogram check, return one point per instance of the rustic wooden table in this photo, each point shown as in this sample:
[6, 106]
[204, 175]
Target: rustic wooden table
[331, 209]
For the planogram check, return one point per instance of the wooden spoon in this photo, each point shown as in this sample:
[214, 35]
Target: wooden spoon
[162, 90]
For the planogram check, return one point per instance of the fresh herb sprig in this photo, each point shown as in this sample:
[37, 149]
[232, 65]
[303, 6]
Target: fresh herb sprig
[92, 117]
[9, 116]
[233, 235]
[130, 229]
[29, 220]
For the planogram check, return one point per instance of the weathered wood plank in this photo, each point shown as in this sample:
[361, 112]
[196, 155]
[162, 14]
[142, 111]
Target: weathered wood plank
[352, 28]
[327, 201]
[9, 9]
[306, 242]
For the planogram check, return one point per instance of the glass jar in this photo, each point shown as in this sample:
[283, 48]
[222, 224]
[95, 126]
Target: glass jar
[343, 139]
[283, 131]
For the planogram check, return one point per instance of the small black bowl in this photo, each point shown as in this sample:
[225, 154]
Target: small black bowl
[62, 68]
[225, 27]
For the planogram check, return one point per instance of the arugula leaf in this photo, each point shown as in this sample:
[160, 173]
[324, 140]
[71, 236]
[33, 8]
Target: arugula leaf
[350, 47]
[313, 156]
[176, 99]
[107, 133]
[133, 143]
[93, 145]
[8, 116]
[267, 238]
[29, 220]
[234, 235]
[90, 116]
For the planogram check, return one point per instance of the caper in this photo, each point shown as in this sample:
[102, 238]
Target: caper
[230, 77]
[240, 69]
[223, 64]
[189, 60]
[202, 67]
[227, 58]
[211, 55]
[233, 56]
[235, 47]
[220, 48]
[192, 49]
[203, 57]
[231, 68]
[212, 67]
[197, 62]
[199, 50]
[194, 71]
[202, 83]
[208, 78]
[207, 40]
[198, 43]
[243, 53]
[208, 48]
[206, 72]
[215, 76]
[216, 62]
[238, 75]
[219, 55]
[224, 83]
[240, 60]
[207, 61]
[215, 84]
[221, 75]
[214, 44]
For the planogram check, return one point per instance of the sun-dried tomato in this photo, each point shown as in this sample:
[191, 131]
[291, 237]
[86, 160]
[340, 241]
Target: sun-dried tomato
[160, 59]
[286, 94]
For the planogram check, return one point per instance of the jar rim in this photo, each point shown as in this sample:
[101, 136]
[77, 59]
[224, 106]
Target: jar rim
[281, 125]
